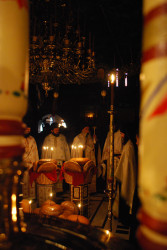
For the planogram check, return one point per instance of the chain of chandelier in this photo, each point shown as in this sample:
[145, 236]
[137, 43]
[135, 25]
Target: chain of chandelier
[59, 54]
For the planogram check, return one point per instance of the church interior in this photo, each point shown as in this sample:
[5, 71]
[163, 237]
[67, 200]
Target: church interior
[83, 101]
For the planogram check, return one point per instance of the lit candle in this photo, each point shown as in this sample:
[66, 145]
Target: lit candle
[30, 202]
[51, 195]
[126, 79]
[14, 211]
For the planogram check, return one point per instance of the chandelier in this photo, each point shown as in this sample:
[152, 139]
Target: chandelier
[59, 53]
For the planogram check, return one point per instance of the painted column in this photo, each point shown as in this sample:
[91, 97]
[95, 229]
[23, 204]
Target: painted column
[152, 232]
[14, 45]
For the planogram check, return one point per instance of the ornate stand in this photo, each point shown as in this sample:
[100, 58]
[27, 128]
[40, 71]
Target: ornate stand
[110, 174]
[80, 196]
[78, 172]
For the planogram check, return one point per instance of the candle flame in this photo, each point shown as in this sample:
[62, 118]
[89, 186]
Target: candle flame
[79, 205]
[14, 210]
[112, 78]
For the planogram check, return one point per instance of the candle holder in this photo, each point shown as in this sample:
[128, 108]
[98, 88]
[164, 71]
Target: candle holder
[110, 171]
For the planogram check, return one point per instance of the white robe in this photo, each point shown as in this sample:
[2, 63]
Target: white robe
[55, 148]
[106, 153]
[126, 173]
[29, 157]
[31, 151]
[81, 143]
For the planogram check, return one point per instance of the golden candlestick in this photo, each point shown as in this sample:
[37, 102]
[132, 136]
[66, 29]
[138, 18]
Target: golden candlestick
[110, 174]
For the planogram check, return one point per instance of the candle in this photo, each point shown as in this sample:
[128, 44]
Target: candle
[30, 210]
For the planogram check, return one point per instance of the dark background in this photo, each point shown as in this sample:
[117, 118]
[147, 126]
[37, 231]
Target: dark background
[116, 33]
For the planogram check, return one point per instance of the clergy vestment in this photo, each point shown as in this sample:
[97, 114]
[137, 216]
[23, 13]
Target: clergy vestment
[55, 147]
[29, 157]
[106, 153]
[126, 174]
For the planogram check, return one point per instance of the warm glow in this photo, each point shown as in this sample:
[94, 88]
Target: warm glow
[30, 201]
[80, 146]
[79, 205]
[19, 172]
[51, 148]
[103, 93]
[89, 115]
[23, 229]
[51, 194]
[56, 95]
[13, 197]
[14, 211]
[112, 78]
[107, 232]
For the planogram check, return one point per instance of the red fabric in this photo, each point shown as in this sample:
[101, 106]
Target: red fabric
[77, 178]
[51, 175]
[61, 177]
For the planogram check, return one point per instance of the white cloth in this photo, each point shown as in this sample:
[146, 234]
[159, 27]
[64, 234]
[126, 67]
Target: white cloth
[106, 153]
[31, 151]
[83, 143]
[55, 148]
[126, 173]
[29, 157]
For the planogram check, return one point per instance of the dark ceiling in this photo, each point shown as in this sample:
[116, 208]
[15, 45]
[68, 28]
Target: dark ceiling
[116, 29]
[115, 25]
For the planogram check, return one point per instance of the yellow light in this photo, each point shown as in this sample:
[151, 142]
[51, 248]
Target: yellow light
[23, 229]
[51, 148]
[112, 78]
[89, 115]
[103, 93]
[19, 172]
[30, 201]
[13, 197]
[107, 232]
[79, 205]
[14, 211]
[50, 194]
